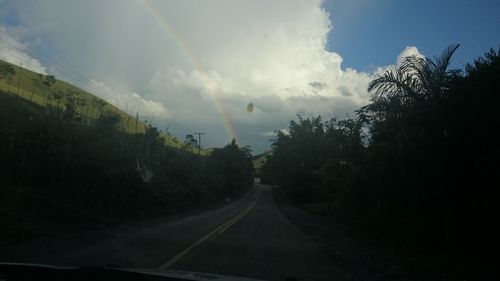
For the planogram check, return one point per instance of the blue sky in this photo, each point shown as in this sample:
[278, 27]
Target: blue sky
[369, 33]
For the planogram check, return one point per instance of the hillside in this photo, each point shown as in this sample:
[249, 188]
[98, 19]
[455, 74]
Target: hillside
[259, 160]
[47, 91]
[70, 159]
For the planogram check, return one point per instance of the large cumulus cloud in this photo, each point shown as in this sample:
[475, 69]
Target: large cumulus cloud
[181, 60]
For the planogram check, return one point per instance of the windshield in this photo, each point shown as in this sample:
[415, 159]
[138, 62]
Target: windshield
[275, 140]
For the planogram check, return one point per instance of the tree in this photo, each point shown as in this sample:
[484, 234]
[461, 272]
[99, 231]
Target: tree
[420, 163]
[6, 71]
[108, 122]
[49, 80]
[70, 111]
[100, 104]
[190, 143]
[416, 78]
[233, 170]
[58, 96]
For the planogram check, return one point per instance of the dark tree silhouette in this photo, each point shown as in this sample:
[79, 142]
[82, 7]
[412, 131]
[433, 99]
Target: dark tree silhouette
[418, 165]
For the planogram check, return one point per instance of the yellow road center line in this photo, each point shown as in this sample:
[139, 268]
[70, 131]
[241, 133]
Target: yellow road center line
[220, 229]
[237, 218]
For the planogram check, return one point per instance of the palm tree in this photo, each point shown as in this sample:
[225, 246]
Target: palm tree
[417, 78]
[403, 98]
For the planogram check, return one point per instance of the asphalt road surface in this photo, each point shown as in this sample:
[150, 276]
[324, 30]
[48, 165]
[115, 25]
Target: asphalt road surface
[248, 238]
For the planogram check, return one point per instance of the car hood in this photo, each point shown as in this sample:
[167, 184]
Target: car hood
[32, 271]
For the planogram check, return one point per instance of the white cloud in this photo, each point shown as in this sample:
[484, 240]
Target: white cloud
[131, 102]
[153, 108]
[201, 56]
[272, 133]
[408, 52]
[11, 50]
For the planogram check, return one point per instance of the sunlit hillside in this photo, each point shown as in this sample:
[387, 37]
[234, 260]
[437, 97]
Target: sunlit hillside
[48, 91]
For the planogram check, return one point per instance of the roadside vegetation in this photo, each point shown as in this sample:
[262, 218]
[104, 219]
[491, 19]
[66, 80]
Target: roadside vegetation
[68, 157]
[417, 167]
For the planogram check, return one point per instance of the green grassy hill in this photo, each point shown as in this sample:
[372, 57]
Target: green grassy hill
[70, 159]
[47, 91]
[259, 160]
[58, 172]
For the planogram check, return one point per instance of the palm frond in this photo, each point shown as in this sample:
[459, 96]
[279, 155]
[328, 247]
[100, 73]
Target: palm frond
[443, 61]
[417, 78]
[440, 71]
[393, 82]
[417, 68]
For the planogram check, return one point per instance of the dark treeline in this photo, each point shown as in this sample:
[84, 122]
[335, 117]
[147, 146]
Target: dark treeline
[54, 167]
[418, 164]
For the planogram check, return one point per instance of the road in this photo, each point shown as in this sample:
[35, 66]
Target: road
[248, 238]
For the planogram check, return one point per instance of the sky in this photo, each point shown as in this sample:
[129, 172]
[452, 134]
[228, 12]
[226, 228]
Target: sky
[194, 66]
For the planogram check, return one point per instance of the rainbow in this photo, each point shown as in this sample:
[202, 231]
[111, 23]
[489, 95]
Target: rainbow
[195, 62]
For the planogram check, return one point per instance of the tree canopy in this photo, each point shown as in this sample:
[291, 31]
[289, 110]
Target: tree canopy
[418, 163]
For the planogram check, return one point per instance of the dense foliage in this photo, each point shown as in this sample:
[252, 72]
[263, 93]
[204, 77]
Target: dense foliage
[419, 163]
[54, 166]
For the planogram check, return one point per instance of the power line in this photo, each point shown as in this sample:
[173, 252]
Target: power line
[62, 69]
[66, 71]
[27, 62]
[74, 72]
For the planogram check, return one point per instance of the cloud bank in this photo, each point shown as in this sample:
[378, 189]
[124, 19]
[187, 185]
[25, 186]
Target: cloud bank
[180, 62]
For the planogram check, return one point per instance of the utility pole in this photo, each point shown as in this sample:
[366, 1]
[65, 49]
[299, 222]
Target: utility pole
[199, 142]
[19, 79]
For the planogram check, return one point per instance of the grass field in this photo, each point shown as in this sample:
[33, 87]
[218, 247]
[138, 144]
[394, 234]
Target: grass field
[259, 160]
[41, 90]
